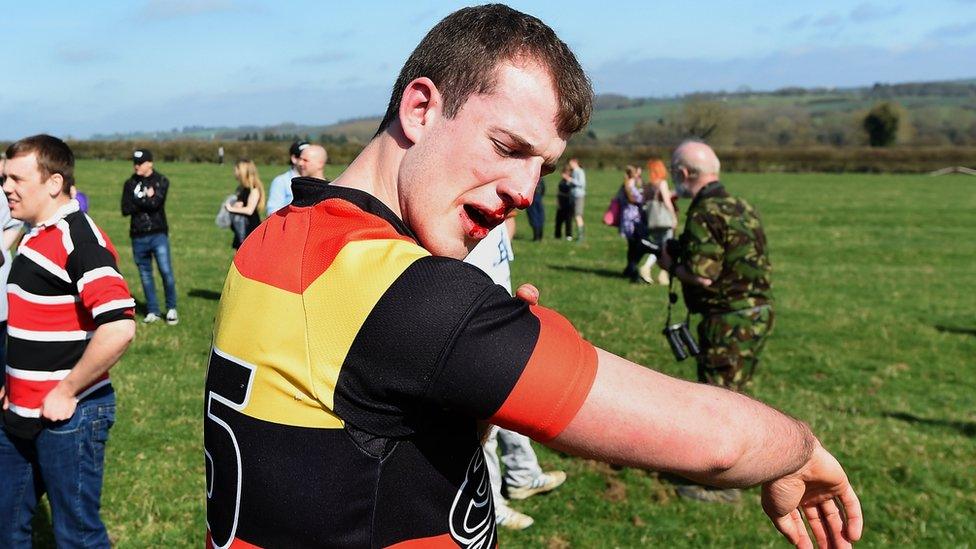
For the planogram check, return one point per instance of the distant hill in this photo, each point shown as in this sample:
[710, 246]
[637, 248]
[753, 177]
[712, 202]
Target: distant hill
[936, 113]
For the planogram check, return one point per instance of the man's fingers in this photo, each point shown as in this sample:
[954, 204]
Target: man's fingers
[852, 509]
[528, 293]
[817, 525]
[792, 528]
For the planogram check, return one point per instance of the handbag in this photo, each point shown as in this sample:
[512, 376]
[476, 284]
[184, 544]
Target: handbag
[223, 216]
[611, 217]
[659, 216]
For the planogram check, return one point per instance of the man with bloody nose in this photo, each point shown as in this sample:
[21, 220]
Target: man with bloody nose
[349, 412]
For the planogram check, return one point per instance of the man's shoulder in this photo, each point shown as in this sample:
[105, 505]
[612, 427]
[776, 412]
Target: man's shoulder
[84, 233]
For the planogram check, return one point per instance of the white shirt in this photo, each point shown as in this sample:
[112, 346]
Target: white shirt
[492, 255]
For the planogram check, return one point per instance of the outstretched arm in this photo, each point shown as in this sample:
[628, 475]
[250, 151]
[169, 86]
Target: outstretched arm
[638, 417]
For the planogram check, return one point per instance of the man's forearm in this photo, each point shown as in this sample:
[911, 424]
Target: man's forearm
[106, 347]
[638, 417]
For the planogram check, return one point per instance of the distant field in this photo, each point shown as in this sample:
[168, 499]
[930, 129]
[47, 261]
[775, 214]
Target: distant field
[874, 345]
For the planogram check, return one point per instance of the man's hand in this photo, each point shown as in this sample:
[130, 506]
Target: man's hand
[3, 394]
[150, 191]
[528, 293]
[816, 489]
[664, 259]
[59, 404]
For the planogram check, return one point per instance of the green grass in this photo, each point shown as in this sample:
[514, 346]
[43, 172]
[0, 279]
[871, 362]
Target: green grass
[874, 346]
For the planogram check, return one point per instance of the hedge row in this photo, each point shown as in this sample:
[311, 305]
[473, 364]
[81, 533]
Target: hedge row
[807, 159]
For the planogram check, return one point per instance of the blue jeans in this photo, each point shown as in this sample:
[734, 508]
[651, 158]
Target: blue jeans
[66, 461]
[143, 250]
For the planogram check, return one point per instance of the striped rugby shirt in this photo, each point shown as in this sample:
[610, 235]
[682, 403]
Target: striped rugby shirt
[63, 284]
[348, 373]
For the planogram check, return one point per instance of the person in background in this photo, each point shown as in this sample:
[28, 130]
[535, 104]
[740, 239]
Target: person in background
[523, 475]
[220, 154]
[70, 322]
[81, 197]
[279, 194]
[565, 204]
[579, 196]
[658, 199]
[537, 212]
[311, 163]
[725, 273]
[11, 232]
[630, 218]
[144, 199]
[250, 199]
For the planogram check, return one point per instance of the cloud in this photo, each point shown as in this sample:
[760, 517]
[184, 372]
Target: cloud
[81, 56]
[828, 21]
[798, 23]
[957, 30]
[322, 58]
[867, 12]
[176, 9]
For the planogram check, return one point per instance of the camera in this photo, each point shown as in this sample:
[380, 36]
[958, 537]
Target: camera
[681, 341]
[673, 247]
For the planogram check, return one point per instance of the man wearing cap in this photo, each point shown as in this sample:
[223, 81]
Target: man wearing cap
[144, 199]
[279, 195]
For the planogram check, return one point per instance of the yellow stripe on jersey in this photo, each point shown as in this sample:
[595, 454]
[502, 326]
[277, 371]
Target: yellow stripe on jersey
[298, 342]
[264, 326]
[336, 311]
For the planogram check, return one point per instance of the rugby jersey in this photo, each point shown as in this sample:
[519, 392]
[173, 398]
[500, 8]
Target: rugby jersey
[349, 371]
[63, 284]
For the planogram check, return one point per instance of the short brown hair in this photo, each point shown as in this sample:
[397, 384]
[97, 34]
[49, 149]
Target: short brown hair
[53, 157]
[461, 53]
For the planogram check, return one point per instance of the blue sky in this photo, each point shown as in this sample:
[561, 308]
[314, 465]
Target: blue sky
[77, 68]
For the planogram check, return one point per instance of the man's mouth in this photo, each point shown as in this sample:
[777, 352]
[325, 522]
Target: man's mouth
[478, 222]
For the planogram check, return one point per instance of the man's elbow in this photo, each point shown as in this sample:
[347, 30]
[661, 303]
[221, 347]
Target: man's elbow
[123, 332]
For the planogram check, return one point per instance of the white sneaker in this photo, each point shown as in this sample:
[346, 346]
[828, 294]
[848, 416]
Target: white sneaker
[172, 318]
[545, 482]
[150, 318]
[506, 517]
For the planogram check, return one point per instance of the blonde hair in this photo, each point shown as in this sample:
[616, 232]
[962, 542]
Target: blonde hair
[247, 173]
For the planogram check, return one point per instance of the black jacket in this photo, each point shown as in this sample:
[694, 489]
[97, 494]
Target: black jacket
[148, 213]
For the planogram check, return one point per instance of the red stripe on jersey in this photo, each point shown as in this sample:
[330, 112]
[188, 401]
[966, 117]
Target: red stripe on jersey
[104, 290]
[38, 317]
[234, 544]
[442, 541]
[555, 381]
[325, 228]
[49, 243]
[28, 394]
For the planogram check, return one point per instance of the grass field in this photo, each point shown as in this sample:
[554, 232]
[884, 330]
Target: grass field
[874, 345]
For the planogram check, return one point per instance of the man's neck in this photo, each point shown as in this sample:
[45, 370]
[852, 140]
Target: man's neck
[375, 170]
[50, 210]
[702, 183]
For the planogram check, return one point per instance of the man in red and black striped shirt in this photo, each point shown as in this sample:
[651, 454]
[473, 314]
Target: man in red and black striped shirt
[70, 321]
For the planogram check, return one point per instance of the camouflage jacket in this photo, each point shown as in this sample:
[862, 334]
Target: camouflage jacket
[723, 240]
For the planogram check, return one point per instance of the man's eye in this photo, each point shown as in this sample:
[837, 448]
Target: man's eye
[502, 149]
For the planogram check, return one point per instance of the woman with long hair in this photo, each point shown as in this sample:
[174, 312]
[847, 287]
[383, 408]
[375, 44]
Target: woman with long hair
[250, 200]
[660, 214]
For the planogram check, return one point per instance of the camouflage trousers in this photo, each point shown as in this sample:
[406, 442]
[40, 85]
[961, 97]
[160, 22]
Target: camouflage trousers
[731, 344]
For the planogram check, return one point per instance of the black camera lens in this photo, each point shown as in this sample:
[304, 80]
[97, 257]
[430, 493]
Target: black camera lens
[688, 340]
[673, 335]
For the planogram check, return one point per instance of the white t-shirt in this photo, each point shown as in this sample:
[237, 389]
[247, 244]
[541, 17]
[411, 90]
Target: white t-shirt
[6, 222]
[492, 255]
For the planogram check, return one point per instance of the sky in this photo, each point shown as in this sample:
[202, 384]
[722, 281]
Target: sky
[75, 69]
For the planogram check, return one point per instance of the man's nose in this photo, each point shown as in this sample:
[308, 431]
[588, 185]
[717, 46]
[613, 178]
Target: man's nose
[519, 189]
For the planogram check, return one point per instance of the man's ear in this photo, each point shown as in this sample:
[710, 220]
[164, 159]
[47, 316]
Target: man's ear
[420, 103]
[55, 185]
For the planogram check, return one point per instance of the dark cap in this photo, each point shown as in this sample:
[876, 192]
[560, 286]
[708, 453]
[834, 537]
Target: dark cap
[141, 155]
[297, 147]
